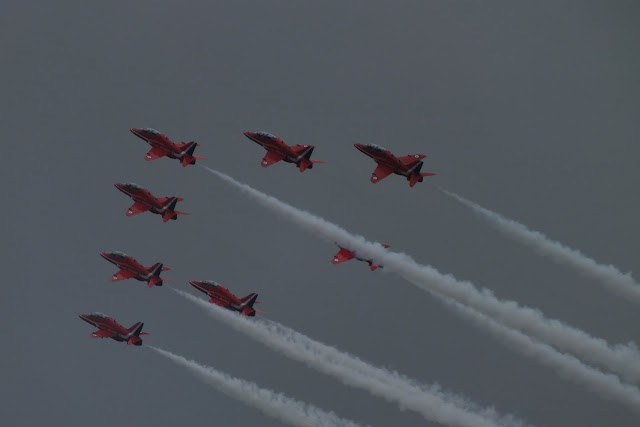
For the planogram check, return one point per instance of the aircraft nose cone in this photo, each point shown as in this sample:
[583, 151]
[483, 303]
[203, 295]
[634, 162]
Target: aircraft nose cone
[135, 131]
[193, 283]
[358, 146]
[248, 134]
[105, 255]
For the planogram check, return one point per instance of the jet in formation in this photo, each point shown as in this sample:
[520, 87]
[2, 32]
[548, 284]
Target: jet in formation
[408, 166]
[162, 146]
[109, 328]
[132, 269]
[277, 150]
[224, 298]
[345, 254]
[145, 201]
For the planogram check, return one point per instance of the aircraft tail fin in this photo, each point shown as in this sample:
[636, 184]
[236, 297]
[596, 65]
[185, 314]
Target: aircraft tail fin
[249, 300]
[188, 158]
[133, 338]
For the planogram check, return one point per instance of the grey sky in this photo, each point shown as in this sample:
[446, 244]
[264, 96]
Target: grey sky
[530, 110]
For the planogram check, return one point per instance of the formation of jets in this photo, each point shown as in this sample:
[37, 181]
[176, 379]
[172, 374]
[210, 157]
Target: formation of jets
[277, 150]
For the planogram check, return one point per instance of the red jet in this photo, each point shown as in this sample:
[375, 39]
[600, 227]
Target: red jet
[132, 269]
[277, 150]
[408, 166]
[162, 146]
[221, 296]
[109, 328]
[145, 201]
[345, 255]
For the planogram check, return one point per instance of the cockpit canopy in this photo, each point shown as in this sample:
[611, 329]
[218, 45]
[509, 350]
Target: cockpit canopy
[209, 282]
[118, 254]
[264, 134]
[150, 130]
[375, 147]
[132, 186]
[100, 315]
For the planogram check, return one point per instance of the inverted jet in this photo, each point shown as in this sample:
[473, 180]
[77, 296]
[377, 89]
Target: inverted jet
[345, 254]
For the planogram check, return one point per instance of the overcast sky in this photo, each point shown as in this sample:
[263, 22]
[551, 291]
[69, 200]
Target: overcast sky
[528, 109]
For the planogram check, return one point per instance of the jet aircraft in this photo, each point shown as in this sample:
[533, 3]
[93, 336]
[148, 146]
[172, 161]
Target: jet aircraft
[277, 150]
[109, 328]
[162, 146]
[345, 254]
[221, 296]
[132, 269]
[408, 166]
[145, 201]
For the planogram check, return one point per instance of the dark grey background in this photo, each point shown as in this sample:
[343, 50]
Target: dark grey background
[528, 109]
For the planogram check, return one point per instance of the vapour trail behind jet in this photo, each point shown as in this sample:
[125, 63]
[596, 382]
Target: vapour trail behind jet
[605, 385]
[276, 405]
[612, 278]
[622, 359]
[432, 403]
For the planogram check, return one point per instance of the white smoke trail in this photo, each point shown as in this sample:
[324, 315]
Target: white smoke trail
[271, 403]
[432, 403]
[622, 359]
[605, 385]
[609, 275]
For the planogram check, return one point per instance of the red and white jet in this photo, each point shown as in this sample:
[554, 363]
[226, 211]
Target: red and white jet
[162, 146]
[109, 328]
[277, 150]
[132, 269]
[345, 255]
[221, 296]
[408, 166]
[145, 201]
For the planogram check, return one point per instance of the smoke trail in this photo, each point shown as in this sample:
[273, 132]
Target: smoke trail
[429, 401]
[276, 405]
[606, 385]
[622, 359]
[609, 275]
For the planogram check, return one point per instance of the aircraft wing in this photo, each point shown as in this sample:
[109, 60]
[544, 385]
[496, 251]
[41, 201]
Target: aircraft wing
[342, 256]
[218, 302]
[155, 153]
[380, 173]
[137, 208]
[271, 158]
[122, 275]
[103, 334]
[411, 158]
